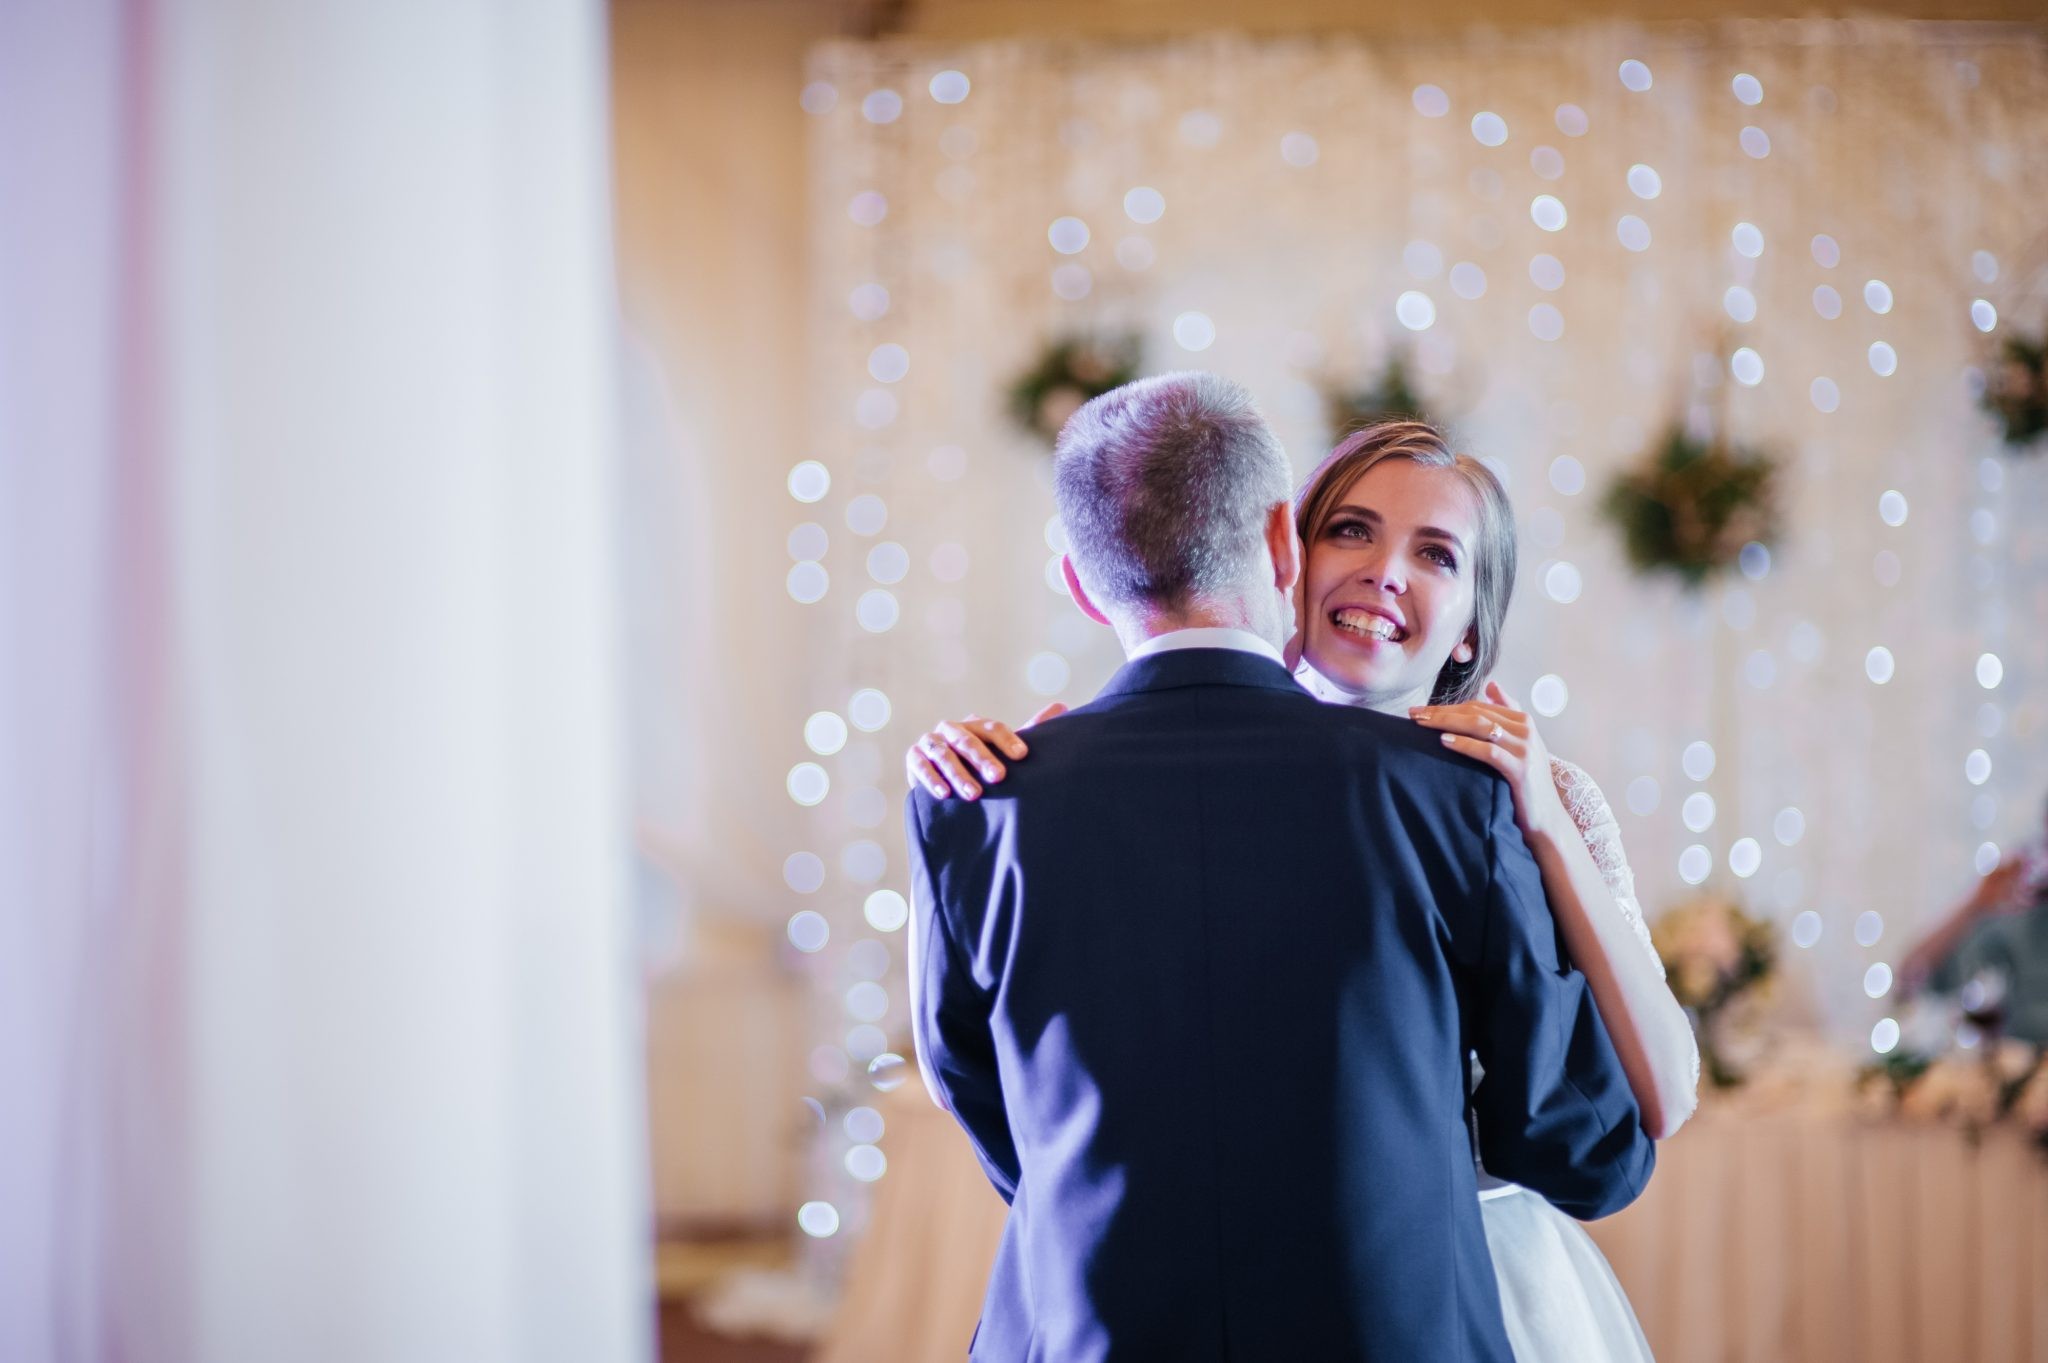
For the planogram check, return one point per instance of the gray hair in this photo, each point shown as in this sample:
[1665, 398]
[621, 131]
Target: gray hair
[1163, 486]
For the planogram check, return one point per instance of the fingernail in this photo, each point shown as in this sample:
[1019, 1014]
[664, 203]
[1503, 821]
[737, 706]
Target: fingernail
[1450, 740]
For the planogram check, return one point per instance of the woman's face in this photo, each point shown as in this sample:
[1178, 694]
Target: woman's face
[1389, 587]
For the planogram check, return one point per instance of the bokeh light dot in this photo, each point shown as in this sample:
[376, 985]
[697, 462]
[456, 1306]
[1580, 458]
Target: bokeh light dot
[808, 542]
[819, 1220]
[808, 930]
[1635, 75]
[1695, 864]
[1299, 149]
[1697, 761]
[1806, 929]
[888, 363]
[1633, 233]
[1547, 162]
[1489, 129]
[1985, 861]
[1546, 323]
[1747, 366]
[1047, 673]
[1644, 182]
[1748, 89]
[1884, 361]
[1827, 252]
[1567, 475]
[1546, 272]
[809, 481]
[1143, 204]
[1983, 316]
[882, 106]
[1869, 928]
[1755, 142]
[1747, 239]
[1744, 857]
[1789, 827]
[886, 911]
[1878, 665]
[1068, 236]
[1430, 101]
[1415, 311]
[1572, 120]
[807, 583]
[1877, 981]
[1547, 212]
[868, 302]
[1642, 795]
[803, 872]
[1884, 1037]
[1194, 331]
[1754, 561]
[867, 514]
[1468, 281]
[1990, 671]
[877, 611]
[1877, 296]
[1698, 811]
[825, 733]
[1977, 767]
[950, 87]
[1549, 695]
[1562, 582]
[1827, 303]
[1422, 259]
[1826, 395]
[866, 1163]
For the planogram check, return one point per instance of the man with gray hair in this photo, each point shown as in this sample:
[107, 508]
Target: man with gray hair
[1200, 978]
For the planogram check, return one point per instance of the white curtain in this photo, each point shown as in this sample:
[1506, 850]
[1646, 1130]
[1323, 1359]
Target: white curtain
[319, 1025]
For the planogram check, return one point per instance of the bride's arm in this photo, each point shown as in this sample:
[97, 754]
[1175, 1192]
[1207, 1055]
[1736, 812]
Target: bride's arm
[1600, 927]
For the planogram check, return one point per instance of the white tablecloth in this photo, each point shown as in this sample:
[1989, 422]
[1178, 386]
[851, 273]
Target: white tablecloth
[1796, 1235]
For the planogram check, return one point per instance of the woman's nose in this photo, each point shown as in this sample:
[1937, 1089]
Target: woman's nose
[1384, 572]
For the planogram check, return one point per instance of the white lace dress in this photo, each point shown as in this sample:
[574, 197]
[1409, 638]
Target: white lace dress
[1559, 1298]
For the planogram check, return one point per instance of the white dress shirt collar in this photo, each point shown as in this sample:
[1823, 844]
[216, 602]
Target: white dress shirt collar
[1242, 640]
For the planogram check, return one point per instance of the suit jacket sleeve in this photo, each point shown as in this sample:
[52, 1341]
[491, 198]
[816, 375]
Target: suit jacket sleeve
[949, 1010]
[1554, 1110]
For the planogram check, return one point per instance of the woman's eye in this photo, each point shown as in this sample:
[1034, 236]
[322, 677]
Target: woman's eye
[1349, 530]
[1442, 556]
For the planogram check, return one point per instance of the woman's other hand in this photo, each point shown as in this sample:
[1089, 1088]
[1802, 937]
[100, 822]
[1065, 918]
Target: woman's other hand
[1498, 732]
[945, 760]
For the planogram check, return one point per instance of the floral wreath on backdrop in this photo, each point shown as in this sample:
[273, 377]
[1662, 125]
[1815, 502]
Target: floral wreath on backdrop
[1349, 407]
[1069, 372]
[2001, 1083]
[1689, 505]
[2016, 391]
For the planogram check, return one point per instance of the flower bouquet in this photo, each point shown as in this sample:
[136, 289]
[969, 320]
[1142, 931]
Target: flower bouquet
[1719, 961]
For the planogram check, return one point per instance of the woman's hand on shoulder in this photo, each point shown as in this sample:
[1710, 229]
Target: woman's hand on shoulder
[945, 760]
[1498, 732]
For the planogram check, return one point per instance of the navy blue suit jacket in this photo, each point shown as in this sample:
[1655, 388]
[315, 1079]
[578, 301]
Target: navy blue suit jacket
[1199, 979]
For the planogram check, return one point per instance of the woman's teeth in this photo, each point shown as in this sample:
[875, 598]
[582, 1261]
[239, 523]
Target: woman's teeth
[1368, 625]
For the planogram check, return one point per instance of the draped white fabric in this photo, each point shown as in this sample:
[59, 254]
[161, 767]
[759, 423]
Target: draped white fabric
[1306, 187]
[319, 1027]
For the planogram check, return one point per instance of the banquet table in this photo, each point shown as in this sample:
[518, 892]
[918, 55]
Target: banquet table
[1802, 1233]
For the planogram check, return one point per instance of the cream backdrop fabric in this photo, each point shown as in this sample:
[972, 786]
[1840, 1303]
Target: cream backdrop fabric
[1304, 193]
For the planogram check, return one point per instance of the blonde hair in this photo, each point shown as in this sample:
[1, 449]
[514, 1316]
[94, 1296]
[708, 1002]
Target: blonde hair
[1493, 557]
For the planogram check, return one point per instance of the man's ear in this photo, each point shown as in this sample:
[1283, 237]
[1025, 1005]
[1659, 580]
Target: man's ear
[1284, 545]
[1080, 593]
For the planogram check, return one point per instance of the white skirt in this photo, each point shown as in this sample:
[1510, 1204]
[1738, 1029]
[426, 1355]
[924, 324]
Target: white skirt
[1561, 1301]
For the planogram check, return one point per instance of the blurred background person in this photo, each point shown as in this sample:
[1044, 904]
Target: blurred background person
[1991, 951]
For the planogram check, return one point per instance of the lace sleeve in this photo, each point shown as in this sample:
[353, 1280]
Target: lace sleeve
[1594, 818]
